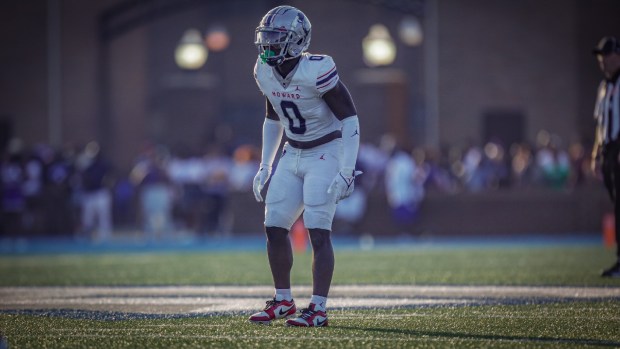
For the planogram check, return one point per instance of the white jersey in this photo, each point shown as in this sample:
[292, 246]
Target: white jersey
[297, 99]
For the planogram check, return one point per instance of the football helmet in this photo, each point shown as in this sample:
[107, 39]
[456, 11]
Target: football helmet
[282, 34]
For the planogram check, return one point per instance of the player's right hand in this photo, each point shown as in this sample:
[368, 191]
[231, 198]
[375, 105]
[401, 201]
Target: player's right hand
[259, 181]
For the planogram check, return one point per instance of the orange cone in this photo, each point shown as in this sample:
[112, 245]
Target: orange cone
[609, 230]
[299, 236]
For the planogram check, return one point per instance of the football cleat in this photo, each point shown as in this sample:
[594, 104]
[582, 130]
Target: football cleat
[309, 318]
[274, 310]
[612, 272]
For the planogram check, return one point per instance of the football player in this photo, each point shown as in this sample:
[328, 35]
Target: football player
[307, 101]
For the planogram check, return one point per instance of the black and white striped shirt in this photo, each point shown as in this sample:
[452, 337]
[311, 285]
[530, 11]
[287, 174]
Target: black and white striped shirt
[607, 110]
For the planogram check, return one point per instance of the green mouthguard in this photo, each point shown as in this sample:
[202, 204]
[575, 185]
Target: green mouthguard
[266, 54]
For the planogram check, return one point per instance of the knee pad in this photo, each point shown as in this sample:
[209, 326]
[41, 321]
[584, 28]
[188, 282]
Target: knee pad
[278, 211]
[274, 218]
[316, 218]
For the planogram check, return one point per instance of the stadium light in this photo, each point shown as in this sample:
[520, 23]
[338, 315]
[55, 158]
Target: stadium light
[191, 53]
[217, 39]
[378, 46]
[410, 31]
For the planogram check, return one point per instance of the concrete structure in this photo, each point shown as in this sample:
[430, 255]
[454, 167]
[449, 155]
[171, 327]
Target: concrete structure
[482, 60]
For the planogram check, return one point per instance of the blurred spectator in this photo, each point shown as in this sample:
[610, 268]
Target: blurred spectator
[32, 187]
[95, 179]
[217, 219]
[495, 166]
[373, 160]
[187, 172]
[521, 165]
[45, 191]
[438, 177]
[473, 174]
[552, 163]
[404, 188]
[244, 167]
[13, 198]
[124, 203]
[57, 193]
[156, 193]
[578, 165]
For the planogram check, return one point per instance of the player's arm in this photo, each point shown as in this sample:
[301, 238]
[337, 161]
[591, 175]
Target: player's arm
[595, 163]
[272, 135]
[339, 100]
[341, 104]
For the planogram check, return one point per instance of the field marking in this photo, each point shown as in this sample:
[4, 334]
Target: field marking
[206, 300]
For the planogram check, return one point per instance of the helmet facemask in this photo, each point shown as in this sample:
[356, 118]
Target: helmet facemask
[272, 45]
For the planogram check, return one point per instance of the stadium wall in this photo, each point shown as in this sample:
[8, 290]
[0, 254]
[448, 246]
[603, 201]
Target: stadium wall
[496, 213]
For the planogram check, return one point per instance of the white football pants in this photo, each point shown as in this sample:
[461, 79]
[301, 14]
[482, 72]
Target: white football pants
[299, 184]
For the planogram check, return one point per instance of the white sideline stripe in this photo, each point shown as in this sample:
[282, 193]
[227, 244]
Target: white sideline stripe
[347, 290]
[209, 305]
[343, 303]
[213, 299]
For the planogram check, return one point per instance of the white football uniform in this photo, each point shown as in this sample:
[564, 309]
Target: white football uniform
[297, 98]
[303, 175]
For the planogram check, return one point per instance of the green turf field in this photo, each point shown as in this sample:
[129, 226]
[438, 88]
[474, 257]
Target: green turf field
[527, 326]
[531, 324]
[576, 266]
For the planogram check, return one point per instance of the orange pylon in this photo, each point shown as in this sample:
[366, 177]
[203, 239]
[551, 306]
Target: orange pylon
[609, 230]
[299, 236]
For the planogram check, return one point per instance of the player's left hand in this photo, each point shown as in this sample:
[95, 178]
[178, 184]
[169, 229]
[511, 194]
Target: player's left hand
[343, 184]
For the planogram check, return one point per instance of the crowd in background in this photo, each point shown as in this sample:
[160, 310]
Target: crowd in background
[77, 191]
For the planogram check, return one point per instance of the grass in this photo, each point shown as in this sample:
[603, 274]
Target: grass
[575, 266]
[557, 324]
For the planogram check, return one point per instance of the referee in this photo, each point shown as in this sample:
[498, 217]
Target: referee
[606, 149]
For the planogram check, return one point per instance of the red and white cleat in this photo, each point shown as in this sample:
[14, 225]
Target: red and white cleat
[274, 310]
[310, 317]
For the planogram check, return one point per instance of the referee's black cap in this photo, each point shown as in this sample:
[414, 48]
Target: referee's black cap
[607, 45]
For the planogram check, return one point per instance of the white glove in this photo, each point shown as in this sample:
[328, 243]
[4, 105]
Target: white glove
[259, 181]
[343, 184]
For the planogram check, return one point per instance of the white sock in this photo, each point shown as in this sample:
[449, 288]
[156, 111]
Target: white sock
[319, 301]
[284, 294]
